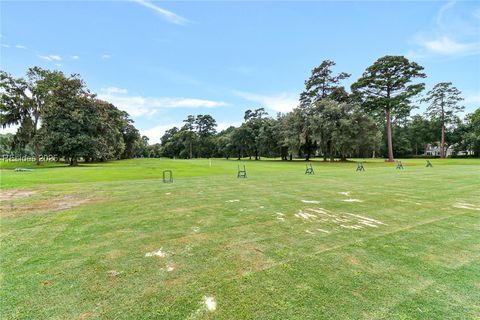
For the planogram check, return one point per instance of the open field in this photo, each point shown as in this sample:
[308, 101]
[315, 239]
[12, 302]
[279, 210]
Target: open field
[111, 241]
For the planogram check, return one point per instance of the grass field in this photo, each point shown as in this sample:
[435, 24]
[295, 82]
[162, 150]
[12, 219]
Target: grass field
[111, 241]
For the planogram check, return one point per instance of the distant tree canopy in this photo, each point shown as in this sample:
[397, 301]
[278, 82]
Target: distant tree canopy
[57, 114]
[374, 119]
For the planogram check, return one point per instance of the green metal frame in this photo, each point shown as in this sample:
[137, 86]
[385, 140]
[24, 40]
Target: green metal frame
[360, 166]
[167, 176]
[400, 165]
[309, 169]
[241, 173]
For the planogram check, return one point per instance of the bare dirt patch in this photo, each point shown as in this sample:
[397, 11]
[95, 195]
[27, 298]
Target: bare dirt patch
[329, 221]
[170, 267]
[159, 253]
[353, 261]
[311, 201]
[13, 194]
[352, 200]
[85, 316]
[41, 204]
[468, 206]
[210, 303]
[305, 215]
[113, 273]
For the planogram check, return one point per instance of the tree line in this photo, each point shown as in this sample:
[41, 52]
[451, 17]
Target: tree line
[57, 114]
[372, 119]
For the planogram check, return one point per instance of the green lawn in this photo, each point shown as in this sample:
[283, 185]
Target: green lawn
[379, 244]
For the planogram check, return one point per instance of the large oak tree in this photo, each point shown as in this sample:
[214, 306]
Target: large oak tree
[23, 102]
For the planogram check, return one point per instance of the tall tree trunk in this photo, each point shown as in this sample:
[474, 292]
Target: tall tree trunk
[330, 151]
[442, 140]
[37, 153]
[442, 143]
[36, 147]
[389, 136]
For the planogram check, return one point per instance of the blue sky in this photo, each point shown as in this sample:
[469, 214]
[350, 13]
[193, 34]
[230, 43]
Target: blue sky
[163, 60]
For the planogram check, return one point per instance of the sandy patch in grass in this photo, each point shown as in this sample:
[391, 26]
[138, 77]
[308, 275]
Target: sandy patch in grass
[210, 303]
[113, 273]
[159, 253]
[326, 220]
[195, 229]
[168, 193]
[368, 223]
[85, 316]
[468, 206]
[322, 211]
[170, 267]
[311, 201]
[46, 204]
[355, 227]
[68, 202]
[280, 216]
[305, 215]
[13, 194]
[364, 218]
[352, 200]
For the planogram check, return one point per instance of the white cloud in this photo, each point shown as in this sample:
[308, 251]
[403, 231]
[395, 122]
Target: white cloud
[52, 57]
[443, 10]
[448, 46]
[5, 46]
[105, 56]
[19, 46]
[225, 125]
[113, 90]
[155, 133]
[472, 98]
[140, 106]
[75, 57]
[281, 102]
[454, 34]
[167, 15]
